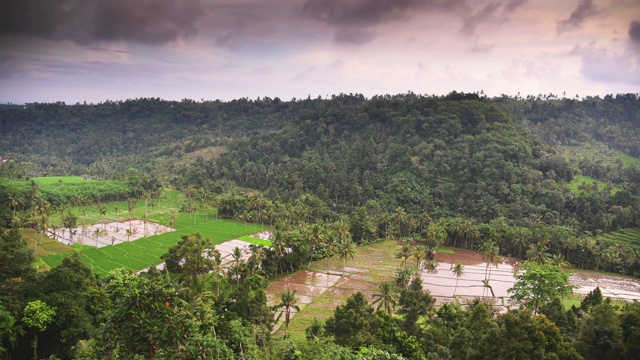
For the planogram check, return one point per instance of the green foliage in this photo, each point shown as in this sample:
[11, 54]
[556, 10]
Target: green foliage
[15, 261]
[193, 255]
[38, 315]
[520, 335]
[593, 299]
[9, 332]
[414, 303]
[600, 334]
[64, 193]
[539, 283]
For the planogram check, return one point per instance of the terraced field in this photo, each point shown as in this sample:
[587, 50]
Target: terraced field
[146, 252]
[599, 152]
[577, 181]
[629, 236]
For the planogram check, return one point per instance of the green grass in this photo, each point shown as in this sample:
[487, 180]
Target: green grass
[577, 181]
[59, 179]
[446, 251]
[630, 236]
[146, 252]
[573, 300]
[256, 241]
[599, 152]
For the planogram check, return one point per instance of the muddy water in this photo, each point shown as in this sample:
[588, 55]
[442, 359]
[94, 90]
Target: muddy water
[335, 286]
[441, 282]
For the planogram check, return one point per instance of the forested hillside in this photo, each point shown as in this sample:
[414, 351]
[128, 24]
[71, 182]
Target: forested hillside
[548, 180]
[456, 155]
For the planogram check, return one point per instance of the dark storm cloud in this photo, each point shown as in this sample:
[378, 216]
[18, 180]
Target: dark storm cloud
[471, 22]
[514, 5]
[86, 21]
[353, 35]
[586, 9]
[364, 13]
[634, 32]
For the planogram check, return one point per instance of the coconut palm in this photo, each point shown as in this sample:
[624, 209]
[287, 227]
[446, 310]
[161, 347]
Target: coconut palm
[404, 253]
[538, 253]
[287, 302]
[489, 251]
[237, 257]
[346, 251]
[385, 299]
[419, 253]
[403, 276]
[458, 271]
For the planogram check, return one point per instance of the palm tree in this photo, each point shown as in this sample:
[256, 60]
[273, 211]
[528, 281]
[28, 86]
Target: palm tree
[102, 209]
[404, 253]
[458, 271]
[13, 203]
[519, 238]
[385, 298]
[346, 251]
[287, 302]
[316, 237]
[403, 276]
[237, 256]
[489, 251]
[419, 253]
[131, 205]
[538, 253]
[277, 244]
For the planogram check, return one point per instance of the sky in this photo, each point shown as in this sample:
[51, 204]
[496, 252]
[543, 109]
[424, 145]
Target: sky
[97, 50]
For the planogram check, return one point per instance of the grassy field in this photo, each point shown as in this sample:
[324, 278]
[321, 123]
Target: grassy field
[59, 179]
[577, 181]
[146, 252]
[256, 241]
[598, 152]
[630, 236]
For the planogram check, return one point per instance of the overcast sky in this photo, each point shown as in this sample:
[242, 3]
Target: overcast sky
[97, 50]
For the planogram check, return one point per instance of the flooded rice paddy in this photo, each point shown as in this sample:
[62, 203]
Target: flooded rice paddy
[329, 282]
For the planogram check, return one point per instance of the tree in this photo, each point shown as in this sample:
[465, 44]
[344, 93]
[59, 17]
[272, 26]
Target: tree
[601, 335]
[9, 332]
[353, 324]
[287, 302]
[131, 205]
[385, 299]
[414, 303]
[15, 261]
[539, 283]
[37, 315]
[404, 253]
[346, 251]
[522, 336]
[489, 252]
[458, 271]
[193, 255]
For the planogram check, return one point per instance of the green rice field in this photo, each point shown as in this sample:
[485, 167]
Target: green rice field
[630, 236]
[256, 241]
[599, 152]
[577, 181]
[146, 252]
[59, 179]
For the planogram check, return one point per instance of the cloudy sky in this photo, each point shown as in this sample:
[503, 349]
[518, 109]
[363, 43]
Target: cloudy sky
[96, 50]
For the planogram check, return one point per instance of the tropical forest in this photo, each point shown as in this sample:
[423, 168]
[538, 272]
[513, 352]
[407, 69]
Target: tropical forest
[406, 226]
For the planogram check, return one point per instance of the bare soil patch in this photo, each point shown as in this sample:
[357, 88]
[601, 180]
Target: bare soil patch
[113, 233]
